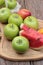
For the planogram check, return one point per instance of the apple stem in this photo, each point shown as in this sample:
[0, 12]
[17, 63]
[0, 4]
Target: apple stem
[30, 19]
[16, 17]
[19, 41]
[2, 11]
[12, 26]
[11, 0]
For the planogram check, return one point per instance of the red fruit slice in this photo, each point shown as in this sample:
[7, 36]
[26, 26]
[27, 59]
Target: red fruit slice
[36, 40]
[31, 32]
[30, 35]
[24, 27]
[36, 44]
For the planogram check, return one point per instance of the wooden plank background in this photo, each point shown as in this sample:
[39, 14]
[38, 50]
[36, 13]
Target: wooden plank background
[36, 7]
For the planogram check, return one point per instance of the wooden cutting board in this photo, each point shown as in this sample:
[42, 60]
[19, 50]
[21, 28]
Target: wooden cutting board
[7, 52]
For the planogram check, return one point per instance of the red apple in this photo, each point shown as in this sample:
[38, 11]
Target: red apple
[24, 13]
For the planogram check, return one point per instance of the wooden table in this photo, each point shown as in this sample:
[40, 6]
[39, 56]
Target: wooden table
[36, 7]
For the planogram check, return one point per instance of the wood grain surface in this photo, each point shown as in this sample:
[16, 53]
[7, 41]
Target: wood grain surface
[36, 7]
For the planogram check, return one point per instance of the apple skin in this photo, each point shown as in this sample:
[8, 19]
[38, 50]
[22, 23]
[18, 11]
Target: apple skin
[2, 2]
[11, 4]
[4, 5]
[11, 31]
[15, 19]
[31, 22]
[4, 15]
[24, 13]
[20, 44]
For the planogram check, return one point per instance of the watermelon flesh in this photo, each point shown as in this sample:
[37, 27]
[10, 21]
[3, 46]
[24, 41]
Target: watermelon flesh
[36, 39]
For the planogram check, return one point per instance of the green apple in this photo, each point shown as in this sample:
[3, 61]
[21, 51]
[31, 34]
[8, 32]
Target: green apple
[20, 44]
[4, 15]
[32, 22]
[11, 4]
[4, 5]
[16, 19]
[11, 31]
[2, 2]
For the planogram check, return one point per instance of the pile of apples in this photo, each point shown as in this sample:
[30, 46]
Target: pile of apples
[21, 28]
